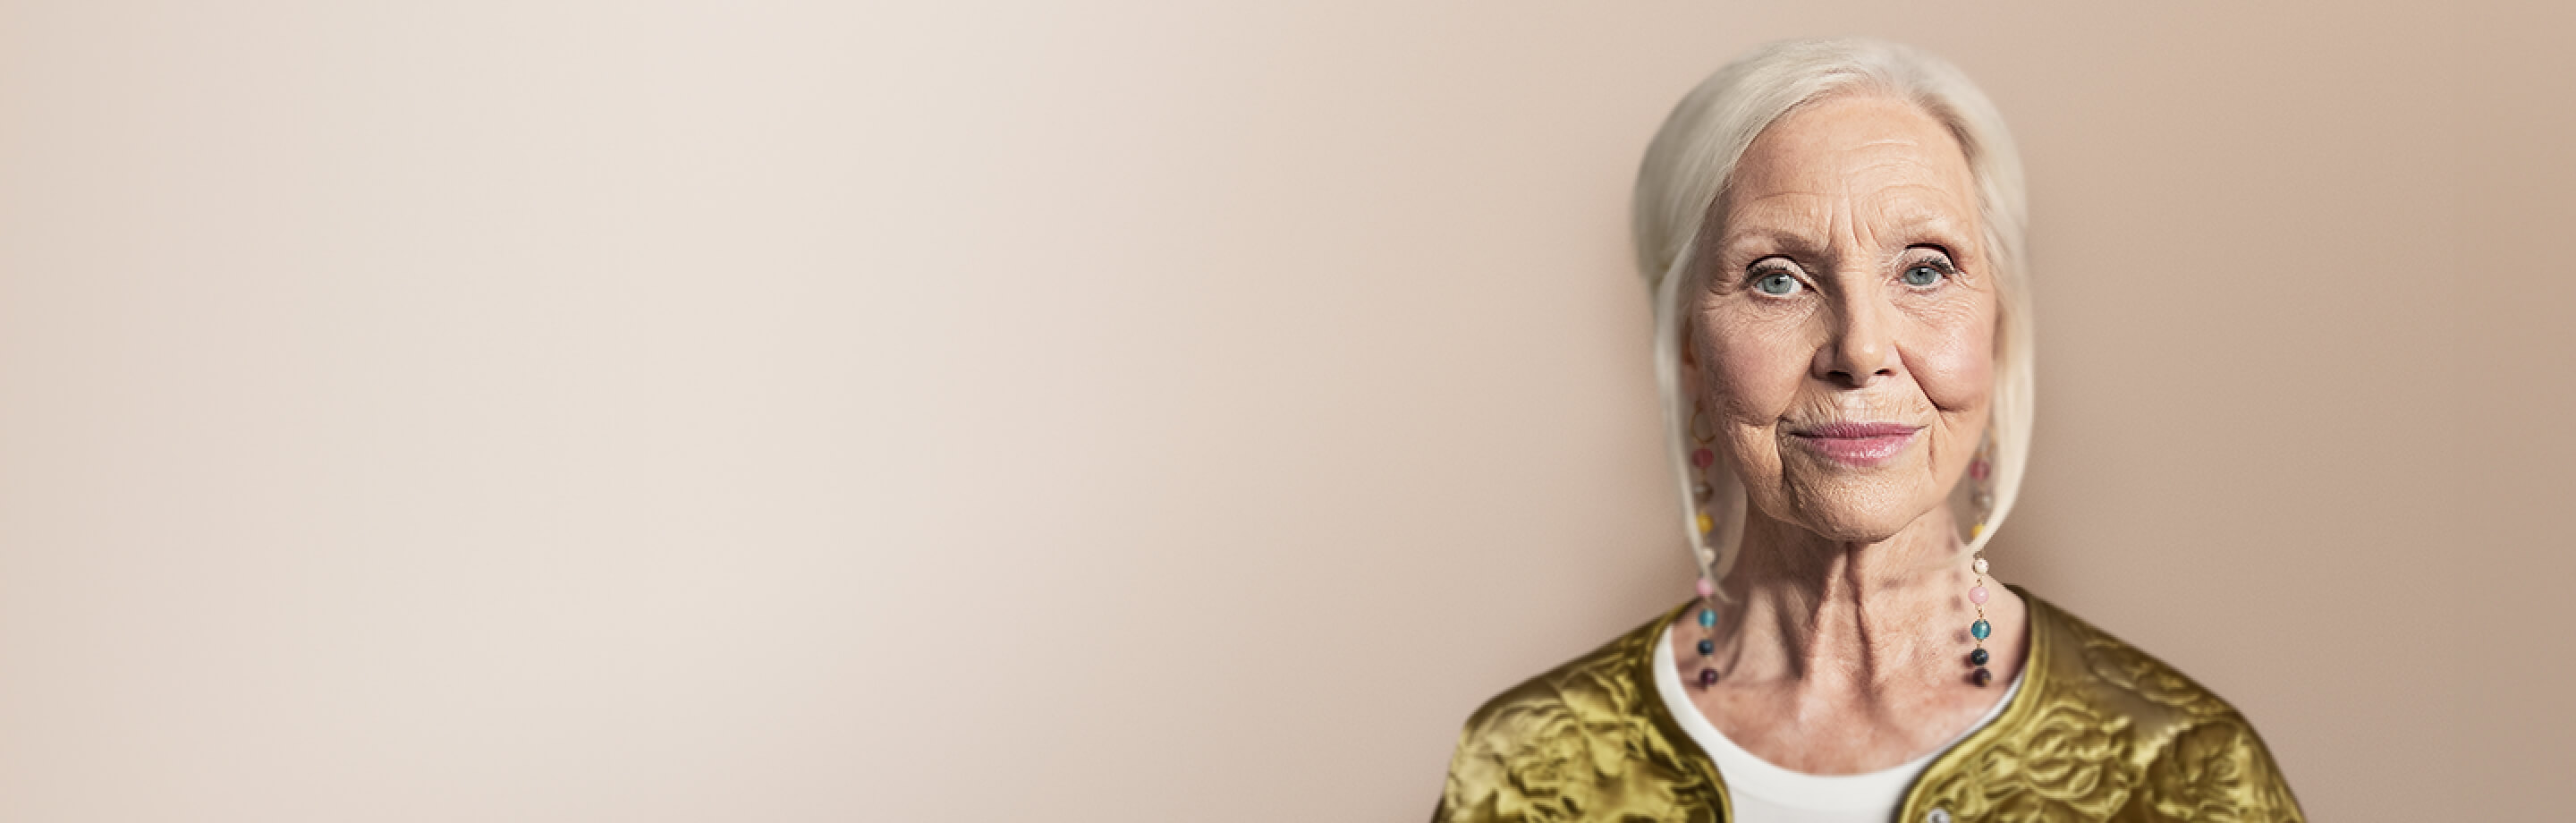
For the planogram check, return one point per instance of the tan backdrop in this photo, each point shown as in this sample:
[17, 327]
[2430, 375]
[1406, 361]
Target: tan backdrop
[585, 410]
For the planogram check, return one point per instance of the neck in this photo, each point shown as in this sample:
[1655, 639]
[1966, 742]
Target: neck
[1847, 615]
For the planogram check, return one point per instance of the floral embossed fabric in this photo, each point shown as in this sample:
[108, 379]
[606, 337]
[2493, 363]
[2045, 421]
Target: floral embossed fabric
[2099, 732]
[1572, 745]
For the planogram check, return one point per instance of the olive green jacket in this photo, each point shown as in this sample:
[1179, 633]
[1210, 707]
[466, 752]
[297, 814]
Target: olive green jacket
[2099, 732]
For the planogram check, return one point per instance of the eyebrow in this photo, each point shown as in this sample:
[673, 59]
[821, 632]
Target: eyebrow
[1912, 221]
[1915, 217]
[1780, 238]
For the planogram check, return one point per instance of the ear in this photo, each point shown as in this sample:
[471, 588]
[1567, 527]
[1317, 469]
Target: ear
[1691, 376]
[1690, 345]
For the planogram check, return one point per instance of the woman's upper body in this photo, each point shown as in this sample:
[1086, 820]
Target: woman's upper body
[2095, 731]
[1758, 790]
[1831, 230]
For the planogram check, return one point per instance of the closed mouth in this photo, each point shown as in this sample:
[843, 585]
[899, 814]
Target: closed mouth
[1857, 444]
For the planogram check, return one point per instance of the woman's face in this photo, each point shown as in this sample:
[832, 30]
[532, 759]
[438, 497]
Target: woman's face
[1845, 344]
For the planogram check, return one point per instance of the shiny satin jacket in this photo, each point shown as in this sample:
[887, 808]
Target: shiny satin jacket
[2099, 732]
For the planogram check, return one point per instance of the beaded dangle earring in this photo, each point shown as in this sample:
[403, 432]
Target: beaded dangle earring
[1980, 470]
[1704, 493]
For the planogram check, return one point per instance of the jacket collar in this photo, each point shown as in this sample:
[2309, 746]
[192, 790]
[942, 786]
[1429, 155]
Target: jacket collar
[2020, 713]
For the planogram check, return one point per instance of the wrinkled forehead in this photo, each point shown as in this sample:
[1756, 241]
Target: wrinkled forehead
[1878, 157]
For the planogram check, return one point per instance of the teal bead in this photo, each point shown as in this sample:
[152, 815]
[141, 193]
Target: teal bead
[1707, 618]
[1980, 629]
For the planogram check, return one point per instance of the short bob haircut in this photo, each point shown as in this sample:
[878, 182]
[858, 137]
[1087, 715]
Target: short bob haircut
[1687, 167]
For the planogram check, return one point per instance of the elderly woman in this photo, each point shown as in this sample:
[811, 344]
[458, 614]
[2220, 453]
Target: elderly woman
[1832, 233]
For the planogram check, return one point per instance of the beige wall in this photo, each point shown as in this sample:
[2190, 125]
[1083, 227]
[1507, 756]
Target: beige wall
[573, 410]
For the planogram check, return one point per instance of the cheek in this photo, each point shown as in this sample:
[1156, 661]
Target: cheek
[1955, 364]
[1753, 370]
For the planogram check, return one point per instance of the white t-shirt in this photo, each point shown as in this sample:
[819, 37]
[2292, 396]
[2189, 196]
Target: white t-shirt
[1764, 793]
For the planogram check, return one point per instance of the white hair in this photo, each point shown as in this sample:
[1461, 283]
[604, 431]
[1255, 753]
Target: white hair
[1687, 167]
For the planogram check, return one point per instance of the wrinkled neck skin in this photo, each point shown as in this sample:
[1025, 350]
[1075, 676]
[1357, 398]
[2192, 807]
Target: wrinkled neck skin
[1843, 658]
[1805, 607]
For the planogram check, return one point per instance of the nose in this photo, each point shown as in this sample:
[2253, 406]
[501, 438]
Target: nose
[1862, 349]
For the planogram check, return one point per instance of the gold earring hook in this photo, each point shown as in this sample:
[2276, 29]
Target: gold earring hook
[1696, 437]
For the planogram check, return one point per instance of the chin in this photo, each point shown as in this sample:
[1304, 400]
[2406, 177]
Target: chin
[1859, 512]
[1860, 527]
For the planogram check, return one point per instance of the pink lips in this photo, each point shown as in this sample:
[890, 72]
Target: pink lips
[1857, 444]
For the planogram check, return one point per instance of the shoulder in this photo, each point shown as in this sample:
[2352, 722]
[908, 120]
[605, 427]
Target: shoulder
[2177, 748]
[1608, 681]
[2116, 676]
[1587, 740]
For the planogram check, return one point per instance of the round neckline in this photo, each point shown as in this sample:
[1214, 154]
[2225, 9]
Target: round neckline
[1749, 775]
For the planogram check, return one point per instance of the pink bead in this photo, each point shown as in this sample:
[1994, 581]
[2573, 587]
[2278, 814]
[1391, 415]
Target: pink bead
[1978, 469]
[1706, 588]
[1703, 457]
[1977, 595]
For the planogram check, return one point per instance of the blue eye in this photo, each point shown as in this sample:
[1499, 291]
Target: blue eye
[1777, 284]
[1922, 274]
